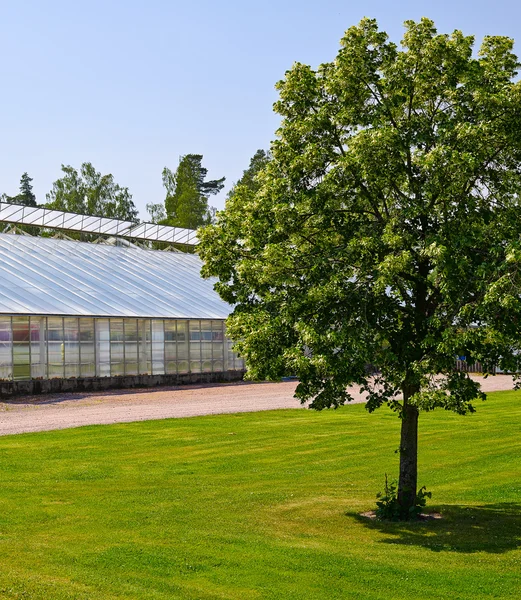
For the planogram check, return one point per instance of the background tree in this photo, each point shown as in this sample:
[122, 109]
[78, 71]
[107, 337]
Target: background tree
[386, 229]
[157, 212]
[187, 193]
[249, 180]
[91, 193]
[26, 195]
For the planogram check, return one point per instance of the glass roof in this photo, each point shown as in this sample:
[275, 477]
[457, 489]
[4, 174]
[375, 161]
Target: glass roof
[57, 219]
[43, 276]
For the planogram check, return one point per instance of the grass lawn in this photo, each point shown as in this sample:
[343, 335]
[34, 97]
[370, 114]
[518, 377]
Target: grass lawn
[262, 505]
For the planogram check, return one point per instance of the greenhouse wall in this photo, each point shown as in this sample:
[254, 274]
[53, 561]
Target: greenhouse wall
[36, 348]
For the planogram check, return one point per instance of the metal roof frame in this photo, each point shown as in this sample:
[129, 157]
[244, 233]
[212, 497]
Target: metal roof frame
[56, 219]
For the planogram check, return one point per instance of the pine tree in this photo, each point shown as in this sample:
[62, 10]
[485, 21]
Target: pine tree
[187, 192]
[26, 195]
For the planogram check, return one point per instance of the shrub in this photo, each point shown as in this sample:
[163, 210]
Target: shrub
[389, 508]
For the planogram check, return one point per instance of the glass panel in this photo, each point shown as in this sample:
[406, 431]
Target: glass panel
[131, 352]
[182, 336]
[87, 330]
[130, 326]
[6, 366]
[72, 347]
[20, 330]
[218, 346]
[55, 347]
[131, 368]
[117, 369]
[170, 330]
[21, 348]
[183, 366]
[117, 352]
[182, 346]
[145, 347]
[21, 370]
[170, 367]
[158, 347]
[5, 330]
[102, 348]
[229, 355]
[195, 346]
[170, 347]
[195, 366]
[131, 346]
[87, 348]
[206, 350]
[206, 345]
[116, 330]
[170, 357]
[38, 348]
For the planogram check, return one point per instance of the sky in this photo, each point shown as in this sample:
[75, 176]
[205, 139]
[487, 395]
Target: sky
[133, 85]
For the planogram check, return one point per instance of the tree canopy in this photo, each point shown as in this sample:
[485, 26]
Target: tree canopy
[385, 230]
[249, 180]
[249, 183]
[89, 192]
[187, 193]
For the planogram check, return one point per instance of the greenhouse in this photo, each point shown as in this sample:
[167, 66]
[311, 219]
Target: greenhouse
[92, 312]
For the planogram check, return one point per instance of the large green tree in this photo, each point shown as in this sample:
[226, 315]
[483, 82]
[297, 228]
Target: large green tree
[386, 230]
[249, 182]
[187, 193]
[89, 192]
[249, 177]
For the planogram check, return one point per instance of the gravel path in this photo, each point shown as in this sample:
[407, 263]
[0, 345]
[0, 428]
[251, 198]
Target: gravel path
[60, 411]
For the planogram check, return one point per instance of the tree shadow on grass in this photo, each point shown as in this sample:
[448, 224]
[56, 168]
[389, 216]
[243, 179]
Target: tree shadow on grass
[492, 528]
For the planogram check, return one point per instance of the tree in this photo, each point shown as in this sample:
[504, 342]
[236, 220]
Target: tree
[157, 212]
[187, 193]
[26, 195]
[386, 229]
[91, 193]
[249, 179]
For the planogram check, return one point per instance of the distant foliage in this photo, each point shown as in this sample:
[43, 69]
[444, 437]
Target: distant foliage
[156, 212]
[26, 196]
[89, 192]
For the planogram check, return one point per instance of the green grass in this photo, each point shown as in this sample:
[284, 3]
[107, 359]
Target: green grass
[262, 505]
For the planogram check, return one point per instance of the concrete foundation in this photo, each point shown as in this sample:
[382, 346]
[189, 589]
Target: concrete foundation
[92, 384]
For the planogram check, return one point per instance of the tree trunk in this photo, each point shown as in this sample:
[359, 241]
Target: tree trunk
[408, 481]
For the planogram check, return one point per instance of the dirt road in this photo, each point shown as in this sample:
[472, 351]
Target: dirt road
[60, 411]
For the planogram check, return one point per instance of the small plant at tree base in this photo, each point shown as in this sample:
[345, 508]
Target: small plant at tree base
[389, 508]
[387, 502]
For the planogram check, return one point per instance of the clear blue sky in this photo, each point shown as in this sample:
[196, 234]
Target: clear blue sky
[132, 85]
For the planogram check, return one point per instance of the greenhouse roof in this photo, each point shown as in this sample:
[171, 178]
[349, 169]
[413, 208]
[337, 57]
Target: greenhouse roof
[43, 276]
[19, 214]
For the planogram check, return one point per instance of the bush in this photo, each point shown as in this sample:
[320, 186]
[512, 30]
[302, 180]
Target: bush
[389, 508]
